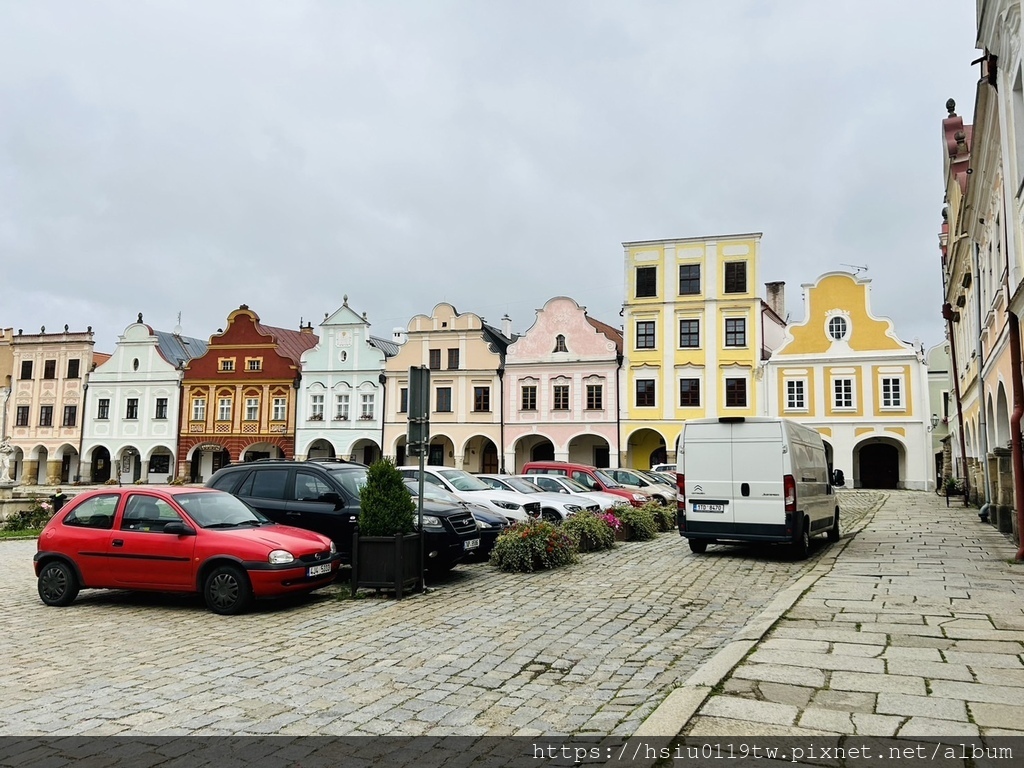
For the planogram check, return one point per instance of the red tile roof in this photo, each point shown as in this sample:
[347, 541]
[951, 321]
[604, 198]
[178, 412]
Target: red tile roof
[290, 343]
[614, 334]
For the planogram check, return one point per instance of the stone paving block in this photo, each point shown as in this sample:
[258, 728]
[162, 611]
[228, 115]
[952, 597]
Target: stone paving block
[826, 719]
[932, 670]
[857, 649]
[991, 660]
[930, 728]
[849, 701]
[988, 676]
[812, 678]
[997, 715]
[721, 726]
[894, 652]
[779, 693]
[819, 661]
[921, 706]
[787, 644]
[865, 724]
[872, 683]
[995, 694]
[735, 708]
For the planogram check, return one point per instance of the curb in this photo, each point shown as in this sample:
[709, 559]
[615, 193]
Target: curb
[675, 712]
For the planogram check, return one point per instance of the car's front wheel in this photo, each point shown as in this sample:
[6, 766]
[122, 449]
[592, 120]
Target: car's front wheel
[551, 516]
[227, 590]
[58, 584]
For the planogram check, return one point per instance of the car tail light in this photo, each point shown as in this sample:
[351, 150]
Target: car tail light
[681, 487]
[789, 492]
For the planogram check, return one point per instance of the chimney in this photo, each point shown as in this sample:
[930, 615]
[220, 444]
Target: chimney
[506, 326]
[398, 336]
[776, 297]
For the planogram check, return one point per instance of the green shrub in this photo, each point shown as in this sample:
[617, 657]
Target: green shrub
[589, 531]
[664, 516]
[385, 506]
[533, 546]
[640, 520]
[30, 519]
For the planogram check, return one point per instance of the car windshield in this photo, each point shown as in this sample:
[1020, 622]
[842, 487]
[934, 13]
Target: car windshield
[463, 481]
[523, 486]
[606, 480]
[219, 510]
[573, 486]
[432, 492]
[352, 479]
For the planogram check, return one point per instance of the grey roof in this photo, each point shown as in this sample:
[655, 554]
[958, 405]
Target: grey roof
[389, 348]
[177, 350]
[498, 341]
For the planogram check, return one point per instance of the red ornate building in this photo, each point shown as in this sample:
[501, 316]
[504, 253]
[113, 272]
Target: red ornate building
[238, 400]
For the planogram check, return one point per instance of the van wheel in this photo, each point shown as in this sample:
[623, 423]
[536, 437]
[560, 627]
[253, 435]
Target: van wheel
[698, 546]
[802, 546]
[833, 532]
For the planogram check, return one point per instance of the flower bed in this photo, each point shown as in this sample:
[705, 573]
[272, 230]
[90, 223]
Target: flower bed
[592, 532]
[533, 546]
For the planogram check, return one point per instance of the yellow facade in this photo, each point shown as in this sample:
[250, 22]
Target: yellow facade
[692, 338]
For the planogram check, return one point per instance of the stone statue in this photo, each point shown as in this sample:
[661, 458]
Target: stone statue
[6, 449]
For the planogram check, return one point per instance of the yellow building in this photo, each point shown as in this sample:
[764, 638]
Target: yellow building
[844, 372]
[696, 334]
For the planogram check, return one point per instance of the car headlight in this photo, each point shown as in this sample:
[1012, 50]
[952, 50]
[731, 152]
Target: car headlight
[639, 497]
[572, 508]
[483, 525]
[280, 557]
[430, 521]
[506, 505]
[334, 548]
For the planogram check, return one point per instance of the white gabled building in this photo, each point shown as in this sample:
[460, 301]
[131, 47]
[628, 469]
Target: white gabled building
[130, 428]
[341, 398]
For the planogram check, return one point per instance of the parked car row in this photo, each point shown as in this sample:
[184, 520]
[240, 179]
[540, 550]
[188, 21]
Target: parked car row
[273, 526]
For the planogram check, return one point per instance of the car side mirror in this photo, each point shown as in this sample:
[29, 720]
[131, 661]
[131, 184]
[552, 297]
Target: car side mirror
[178, 528]
[332, 497]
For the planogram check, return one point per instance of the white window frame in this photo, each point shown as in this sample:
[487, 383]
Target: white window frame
[366, 402]
[252, 408]
[223, 409]
[846, 328]
[280, 404]
[897, 403]
[198, 409]
[836, 404]
[316, 407]
[341, 403]
[796, 395]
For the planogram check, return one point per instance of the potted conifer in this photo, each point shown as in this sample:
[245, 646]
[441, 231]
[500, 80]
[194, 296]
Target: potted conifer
[385, 546]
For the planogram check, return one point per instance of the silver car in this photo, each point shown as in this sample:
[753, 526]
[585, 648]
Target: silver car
[662, 493]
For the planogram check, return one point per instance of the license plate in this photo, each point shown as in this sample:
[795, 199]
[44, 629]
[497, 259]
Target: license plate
[709, 507]
[319, 570]
[471, 544]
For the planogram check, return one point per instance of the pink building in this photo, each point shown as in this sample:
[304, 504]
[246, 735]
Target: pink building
[562, 389]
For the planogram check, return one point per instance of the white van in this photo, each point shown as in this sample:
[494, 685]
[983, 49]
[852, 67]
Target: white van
[754, 479]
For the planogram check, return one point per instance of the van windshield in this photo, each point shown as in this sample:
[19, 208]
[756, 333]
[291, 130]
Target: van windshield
[605, 479]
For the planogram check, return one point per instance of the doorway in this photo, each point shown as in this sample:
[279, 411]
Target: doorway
[879, 466]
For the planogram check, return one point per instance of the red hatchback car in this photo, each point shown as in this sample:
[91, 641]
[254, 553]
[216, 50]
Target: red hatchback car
[173, 539]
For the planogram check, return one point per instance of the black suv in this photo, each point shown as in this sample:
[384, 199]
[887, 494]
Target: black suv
[323, 496]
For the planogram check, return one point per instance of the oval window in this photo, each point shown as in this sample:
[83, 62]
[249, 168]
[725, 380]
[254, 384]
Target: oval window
[135, 364]
[837, 328]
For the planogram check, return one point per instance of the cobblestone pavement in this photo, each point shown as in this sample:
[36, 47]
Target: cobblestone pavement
[592, 648]
[917, 632]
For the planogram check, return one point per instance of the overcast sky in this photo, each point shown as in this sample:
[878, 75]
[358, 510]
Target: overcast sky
[165, 157]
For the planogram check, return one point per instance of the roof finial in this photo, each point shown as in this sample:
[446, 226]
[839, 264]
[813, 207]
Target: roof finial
[951, 107]
[140, 318]
[344, 302]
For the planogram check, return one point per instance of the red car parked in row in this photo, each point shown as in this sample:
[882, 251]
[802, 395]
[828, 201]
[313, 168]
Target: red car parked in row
[172, 539]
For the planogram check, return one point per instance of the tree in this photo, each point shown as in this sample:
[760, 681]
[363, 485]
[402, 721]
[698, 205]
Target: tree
[386, 506]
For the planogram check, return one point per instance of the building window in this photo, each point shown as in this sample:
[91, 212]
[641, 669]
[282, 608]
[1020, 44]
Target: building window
[50, 369]
[435, 359]
[224, 409]
[645, 393]
[161, 408]
[560, 344]
[366, 406]
[341, 407]
[842, 393]
[689, 393]
[46, 416]
[528, 399]
[481, 399]
[645, 334]
[892, 392]
[252, 409]
[160, 464]
[199, 409]
[837, 328]
[73, 367]
[646, 282]
[70, 415]
[595, 397]
[561, 393]
[403, 400]
[21, 419]
[689, 334]
[316, 407]
[735, 277]
[103, 409]
[735, 332]
[689, 279]
[131, 410]
[279, 406]
[735, 393]
[795, 395]
[443, 402]
[254, 363]
[227, 363]
[26, 369]
[453, 359]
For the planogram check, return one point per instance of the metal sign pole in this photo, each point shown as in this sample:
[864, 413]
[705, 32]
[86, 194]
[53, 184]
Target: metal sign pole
[419, 440]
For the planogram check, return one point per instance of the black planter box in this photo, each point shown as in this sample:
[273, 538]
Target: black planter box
[386, 562]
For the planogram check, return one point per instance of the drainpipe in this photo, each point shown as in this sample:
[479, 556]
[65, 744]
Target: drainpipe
[501, 417]
[982, 423]
[1017, 455]
[618, 410]
[948, 314]
[383, 409]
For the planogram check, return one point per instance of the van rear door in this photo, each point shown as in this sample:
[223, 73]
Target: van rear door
[707, 467]
[757, 471]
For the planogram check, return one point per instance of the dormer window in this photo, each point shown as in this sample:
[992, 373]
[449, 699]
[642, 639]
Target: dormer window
[227, 364]
[560, 343]
[838, 328]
